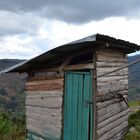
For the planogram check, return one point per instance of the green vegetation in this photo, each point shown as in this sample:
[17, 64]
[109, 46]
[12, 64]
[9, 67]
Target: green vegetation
[12, 128]
[134, 103]
[134, 122]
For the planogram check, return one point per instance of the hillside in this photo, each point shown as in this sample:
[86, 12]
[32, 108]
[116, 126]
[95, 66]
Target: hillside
[134, 79]
[5, 63]
[12, 97]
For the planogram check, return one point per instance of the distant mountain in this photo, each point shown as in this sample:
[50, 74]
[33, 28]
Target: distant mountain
[12, 86]
[134, 71]
[134, 78]
[5, 63]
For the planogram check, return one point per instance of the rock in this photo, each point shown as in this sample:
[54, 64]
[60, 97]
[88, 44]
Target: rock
[132, 129]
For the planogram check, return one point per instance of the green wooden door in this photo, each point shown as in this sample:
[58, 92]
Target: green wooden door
[78, 106]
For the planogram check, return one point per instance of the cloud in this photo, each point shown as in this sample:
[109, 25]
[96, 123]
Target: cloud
[15, 47]
[55, 33]
[12, 23]
[79, 11]
[28, 28]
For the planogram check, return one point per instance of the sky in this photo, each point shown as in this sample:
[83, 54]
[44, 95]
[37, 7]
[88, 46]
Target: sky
[31, 27]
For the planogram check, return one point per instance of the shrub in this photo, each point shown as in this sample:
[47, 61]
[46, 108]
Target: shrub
[133, 135]
[12, 129]
[134, 121]
[4, 124]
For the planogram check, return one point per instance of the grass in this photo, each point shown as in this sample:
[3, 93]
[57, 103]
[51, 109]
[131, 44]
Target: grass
[134, 103]
[134, 121]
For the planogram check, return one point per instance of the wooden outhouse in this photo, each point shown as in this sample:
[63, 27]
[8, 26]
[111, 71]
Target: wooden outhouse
[78, 91]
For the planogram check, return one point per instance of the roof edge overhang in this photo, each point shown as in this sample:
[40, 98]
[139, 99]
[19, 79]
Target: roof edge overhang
[71, 47]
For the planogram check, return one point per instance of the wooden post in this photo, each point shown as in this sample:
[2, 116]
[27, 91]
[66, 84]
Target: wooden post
[94, 83]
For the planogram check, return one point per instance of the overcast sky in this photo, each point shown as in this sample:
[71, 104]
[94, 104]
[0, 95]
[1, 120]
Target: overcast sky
[31, 27]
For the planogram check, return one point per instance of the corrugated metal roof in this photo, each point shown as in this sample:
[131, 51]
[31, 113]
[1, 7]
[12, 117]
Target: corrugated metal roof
[95, 40]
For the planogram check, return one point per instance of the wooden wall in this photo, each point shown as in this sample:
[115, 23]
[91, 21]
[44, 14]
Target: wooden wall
[112, 112]
[44, 106]
[45, 97]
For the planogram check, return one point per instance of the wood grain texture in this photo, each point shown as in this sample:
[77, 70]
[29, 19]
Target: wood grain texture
[80, 66]
[44, 124]
[111, 107]
[107, 79]
[111, 89]
[103, 70]
[113, 118]
[114, 131]
[104, 104]
[54, 84]
[111, 125]
[44, 111]
[39, 76]
[112, 112]
[110, 64]
[111, 53]
[50, 93]
[44, 131]
[120, 135]
[45, 102]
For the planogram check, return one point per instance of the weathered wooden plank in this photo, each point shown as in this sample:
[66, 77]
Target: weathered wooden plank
[39, 76]
[112, 89]
[112, 125]
[44, 131]
[43, 94]
[74, 101]
[114, 131]
[110, 108]
[112, 85]
[103, 104]
[80, 66]
[80, 108]
[110, 64]
[120, 135]
[44, 111]
[111, 113]
[46, 102]
[41, 124]
[58, 86]
[104, 70]
[44, 115]
[55, 84]
[68, 105]
[112, 95]
[113, 118]
[45, 82]
[110, 59]
[54, 120]
[111, 53]
[111, 78]
[113, 82]
[65, 62]
[113, 71]
[94, 90]
[85, 111]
